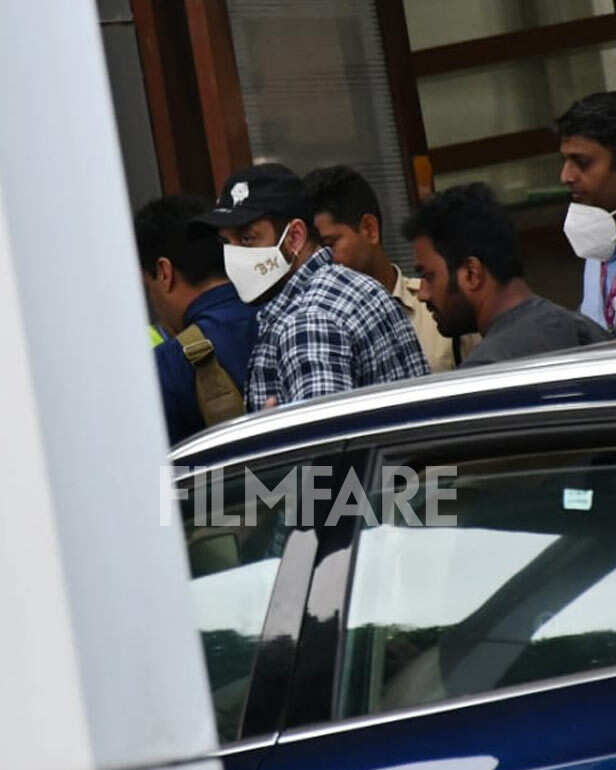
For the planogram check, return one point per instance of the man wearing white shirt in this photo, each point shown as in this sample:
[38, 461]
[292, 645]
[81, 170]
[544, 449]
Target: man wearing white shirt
[348, 217]
[588, 145]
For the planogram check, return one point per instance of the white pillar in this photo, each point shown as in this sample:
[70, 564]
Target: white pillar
[41, 705]
[99, 662]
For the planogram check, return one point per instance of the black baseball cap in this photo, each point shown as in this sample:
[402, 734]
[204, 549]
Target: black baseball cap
[268, 189]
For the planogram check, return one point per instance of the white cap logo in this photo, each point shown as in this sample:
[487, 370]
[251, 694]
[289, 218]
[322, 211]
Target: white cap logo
[239, 192]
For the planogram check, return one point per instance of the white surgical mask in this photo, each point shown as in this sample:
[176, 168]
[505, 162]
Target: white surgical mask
[591, 231]
[253, 271]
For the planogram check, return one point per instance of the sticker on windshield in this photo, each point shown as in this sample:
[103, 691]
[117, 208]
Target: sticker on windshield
[577, 499]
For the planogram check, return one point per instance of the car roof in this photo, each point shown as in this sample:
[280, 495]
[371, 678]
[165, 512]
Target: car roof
[570, 376]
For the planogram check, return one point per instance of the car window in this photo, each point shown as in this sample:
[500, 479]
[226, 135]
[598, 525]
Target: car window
[234, 562]
[513, 583]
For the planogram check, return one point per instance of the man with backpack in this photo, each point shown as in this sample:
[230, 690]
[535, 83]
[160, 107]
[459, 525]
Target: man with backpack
[202, 367]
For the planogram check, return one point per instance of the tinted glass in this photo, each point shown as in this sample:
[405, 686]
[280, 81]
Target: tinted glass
[518, 588]
[234, 563]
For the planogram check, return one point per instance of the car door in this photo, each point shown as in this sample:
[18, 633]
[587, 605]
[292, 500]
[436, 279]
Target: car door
[487, 637]
[252, 532]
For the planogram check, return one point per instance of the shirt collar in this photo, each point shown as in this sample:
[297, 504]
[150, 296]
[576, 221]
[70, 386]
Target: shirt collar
[295, 285]
[399, 287]
[210, 298]
[405, 289]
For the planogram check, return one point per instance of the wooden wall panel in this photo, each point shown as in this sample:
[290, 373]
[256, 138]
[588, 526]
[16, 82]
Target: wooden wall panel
[219, 89]
[173, 95]
[405, 97]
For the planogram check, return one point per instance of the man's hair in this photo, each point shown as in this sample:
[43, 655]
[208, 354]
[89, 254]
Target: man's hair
[162, 230]
[593, 117]
[344, 194]
[467, 221]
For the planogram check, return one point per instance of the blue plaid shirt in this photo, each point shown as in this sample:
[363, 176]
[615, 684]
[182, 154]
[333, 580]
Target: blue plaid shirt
[330, 329]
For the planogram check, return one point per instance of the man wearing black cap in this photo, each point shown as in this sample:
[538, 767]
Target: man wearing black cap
[324, 328]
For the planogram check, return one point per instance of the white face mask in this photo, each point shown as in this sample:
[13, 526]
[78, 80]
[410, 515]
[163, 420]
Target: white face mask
[591, 231]
[254, 270]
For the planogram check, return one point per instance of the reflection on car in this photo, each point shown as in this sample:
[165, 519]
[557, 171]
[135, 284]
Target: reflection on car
[375, 641]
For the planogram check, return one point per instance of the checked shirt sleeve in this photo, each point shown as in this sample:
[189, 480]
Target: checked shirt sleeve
[314, 357]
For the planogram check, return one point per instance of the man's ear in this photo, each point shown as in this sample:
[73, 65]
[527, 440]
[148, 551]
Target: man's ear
[165, 273]
[369, 228]
[471, 274]
[297, 235]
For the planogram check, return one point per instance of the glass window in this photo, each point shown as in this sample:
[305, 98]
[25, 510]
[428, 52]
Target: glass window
[488, 101]
[530, 181]
[441, 22]
[234, 564]
[510, 96]
[517, 587]
[316, 93]
[506, 98]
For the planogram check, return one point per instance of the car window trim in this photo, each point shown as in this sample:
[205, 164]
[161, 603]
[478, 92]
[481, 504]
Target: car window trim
[276, 619]
[429, 389]
[295, 734]
[371, 462]
[556, 412]
[411, 425]
[326, 639]
[245, 745]
[298, 556]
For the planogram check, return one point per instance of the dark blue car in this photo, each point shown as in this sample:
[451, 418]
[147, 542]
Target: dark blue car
[414, 576]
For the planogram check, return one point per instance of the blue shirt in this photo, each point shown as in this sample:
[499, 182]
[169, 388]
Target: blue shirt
[330, 329]
[231, 326]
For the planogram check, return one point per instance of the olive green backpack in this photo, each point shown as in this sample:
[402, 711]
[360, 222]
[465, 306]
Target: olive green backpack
[217, 395]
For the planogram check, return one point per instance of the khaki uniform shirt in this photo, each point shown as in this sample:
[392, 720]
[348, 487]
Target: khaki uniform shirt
[437, 349]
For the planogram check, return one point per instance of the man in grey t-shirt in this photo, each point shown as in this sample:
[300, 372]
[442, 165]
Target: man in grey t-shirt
[472, 280]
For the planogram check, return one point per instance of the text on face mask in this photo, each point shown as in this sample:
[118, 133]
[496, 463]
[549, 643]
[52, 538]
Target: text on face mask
[263, 268]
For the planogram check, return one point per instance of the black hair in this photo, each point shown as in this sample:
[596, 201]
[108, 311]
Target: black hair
[162, 230]
[593, 117]
[344, 194]
[466, 221]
